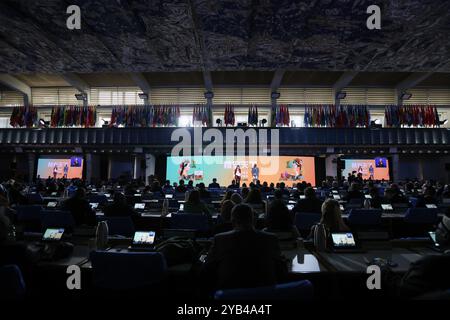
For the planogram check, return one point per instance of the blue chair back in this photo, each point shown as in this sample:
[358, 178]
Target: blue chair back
[365, 217]
[35, 198]
[56, 218]
[193, 221]
[299, 290]
[421, 216]
[12, 285]
[122, 226]
[305, 220]
[98, 198]
[127, 270]
[29, 213]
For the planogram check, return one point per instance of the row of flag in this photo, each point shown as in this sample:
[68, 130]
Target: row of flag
[23, 116]
[145, 115]
[253, 115]
[280, 115]
[203, 114]
[336, 116]
[411, 116]
[229, 118]
[73, 116]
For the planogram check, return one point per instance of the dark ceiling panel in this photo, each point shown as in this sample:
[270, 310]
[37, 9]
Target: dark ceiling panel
[174, 78]
[437, 80]
[388, 79]
[235, 35]
[242, 77]
[312, 78]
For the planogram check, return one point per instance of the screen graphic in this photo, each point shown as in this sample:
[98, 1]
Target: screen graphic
[60, 167]
[375, 169]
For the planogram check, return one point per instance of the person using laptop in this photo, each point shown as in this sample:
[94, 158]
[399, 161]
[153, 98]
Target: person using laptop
[243, 257]
[119, 207]
[310, 204]
[15, 252]
[195, 205]
[80, 208]
[224, 223]
[332, 216]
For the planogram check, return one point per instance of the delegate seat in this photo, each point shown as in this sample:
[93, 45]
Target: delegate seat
[57, 219]
[299, 291]
[305, 220]
[119, 226]
[364, 217]
[191, 221]
[12, 285]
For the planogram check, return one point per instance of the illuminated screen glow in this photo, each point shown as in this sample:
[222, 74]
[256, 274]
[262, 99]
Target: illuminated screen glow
[377, 168]
[287, 169]
[58, 167]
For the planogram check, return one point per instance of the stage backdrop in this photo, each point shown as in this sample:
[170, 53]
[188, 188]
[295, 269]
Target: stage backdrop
[69, 167]
[377, 168]
[287, 169]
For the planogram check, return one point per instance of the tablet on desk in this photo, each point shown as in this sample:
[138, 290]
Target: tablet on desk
[52, 204]
[143, 238]
[94, 205]
[139, 206]
[336, 197]
[169, 196]
[367, 196]
[137, 194]
[53, 234]
[290, 207]
[343, 241]
[431, 206]
[387, 207]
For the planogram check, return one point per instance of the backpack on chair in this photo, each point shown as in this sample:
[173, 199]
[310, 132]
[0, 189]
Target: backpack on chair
[320, 236]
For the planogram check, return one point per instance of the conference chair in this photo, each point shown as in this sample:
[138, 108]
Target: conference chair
[101, 199]
[299, 290]
[119, 226]
[191, 221]
[35, 198]
[418, 221]
[364, 217]
[29, 217]
[121, 271]
[305, 220]
[57, 219]
[12, 285]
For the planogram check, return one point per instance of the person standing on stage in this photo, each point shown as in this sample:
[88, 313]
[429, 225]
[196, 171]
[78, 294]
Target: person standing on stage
[255, 173]
[55, 171]
[237, 175]
[66, 171]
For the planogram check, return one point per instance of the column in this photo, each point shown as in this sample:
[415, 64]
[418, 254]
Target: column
[31, 164]
[136, 166]
[88, 158]
[150, 164]
[395, 168]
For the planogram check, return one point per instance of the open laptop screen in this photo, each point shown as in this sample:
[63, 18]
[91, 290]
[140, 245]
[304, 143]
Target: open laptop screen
[139, 206]
[343, 240]
[144, 237]
[53, 234]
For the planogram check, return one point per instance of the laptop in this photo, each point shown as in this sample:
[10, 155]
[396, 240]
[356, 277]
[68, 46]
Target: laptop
[431, 206]
[387, 207]
[290, 207]
[367, 196]
[139, 206]
[53, 234]
[432, 236]
[344, 242]
[181, 207]
[143, 240]
[336, 197]
[302, 196]
[94, 205]
[169, 196]
[52, 204]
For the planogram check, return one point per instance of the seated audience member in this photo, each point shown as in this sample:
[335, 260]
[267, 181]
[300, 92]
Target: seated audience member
[443, 230]
[224, 224]
[119, 207]
[243, 257]
[147, 193]
[181, 187]
[80, 208]
[214, 184]
[283, 189]
[300, 190]
[236, 198]
[354, 192]
[203, 192]
[280, 221]
[376, 200]
[194, 204]
[271, 187]
[391, 196]
[233, 185]
[167, 188]
[244, 192]
[14, 252]
[310, 204]
[130, 190]
[254, 197]
[190, 185]
[428, 197]
[332, 216]
[156, 188]
[227, 195]
[265, 187]
[5, 208]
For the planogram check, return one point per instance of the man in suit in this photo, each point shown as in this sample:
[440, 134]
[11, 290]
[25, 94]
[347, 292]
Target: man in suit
[310, 204]
[243, 257]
